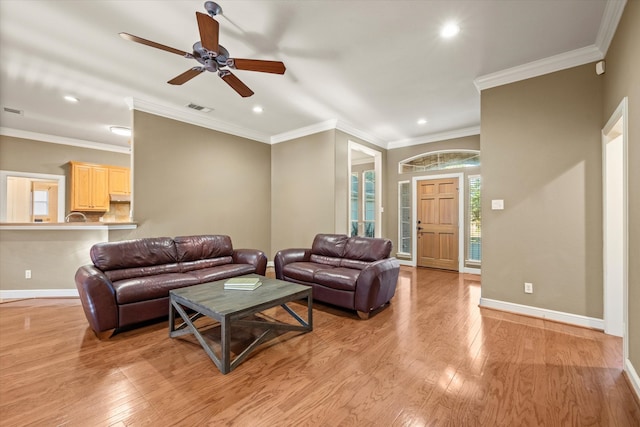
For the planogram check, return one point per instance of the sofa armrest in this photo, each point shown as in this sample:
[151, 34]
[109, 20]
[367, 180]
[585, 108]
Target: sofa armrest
[287, 256]
[253, 257]
[98, 298]
[376, 284]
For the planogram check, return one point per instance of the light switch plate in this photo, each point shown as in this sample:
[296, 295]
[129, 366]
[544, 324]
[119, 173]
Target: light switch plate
[497, 205]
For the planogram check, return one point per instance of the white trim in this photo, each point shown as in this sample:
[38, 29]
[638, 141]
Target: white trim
[17, 133]
[407, 262]
[609, 23]
[541, 67]
[471, 270]
[634, 379]
[435, 137]
[621, 112]
[543, 313]
[461, 214]
[61, 179]
[429, 153]
[195, 118]
[38, 293]
[270, 264]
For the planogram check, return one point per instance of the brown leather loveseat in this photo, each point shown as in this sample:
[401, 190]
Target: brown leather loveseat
[129, 281]
[351, 272]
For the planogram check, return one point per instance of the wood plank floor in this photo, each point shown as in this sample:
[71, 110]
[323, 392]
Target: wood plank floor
[431, 358]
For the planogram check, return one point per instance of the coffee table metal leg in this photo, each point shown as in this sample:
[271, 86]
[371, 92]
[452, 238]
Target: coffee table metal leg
[225, 341]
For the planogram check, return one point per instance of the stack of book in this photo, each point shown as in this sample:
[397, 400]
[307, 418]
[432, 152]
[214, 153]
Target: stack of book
[243, 283]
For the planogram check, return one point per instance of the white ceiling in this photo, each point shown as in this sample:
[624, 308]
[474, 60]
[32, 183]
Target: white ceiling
[371, 67]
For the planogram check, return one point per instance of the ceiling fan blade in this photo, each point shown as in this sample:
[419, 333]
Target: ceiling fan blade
[275, 67]
[242, 89]
[137, 39]
[209, 29]
[186, 76]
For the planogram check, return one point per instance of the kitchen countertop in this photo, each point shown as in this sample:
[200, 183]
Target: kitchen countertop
[68, 225]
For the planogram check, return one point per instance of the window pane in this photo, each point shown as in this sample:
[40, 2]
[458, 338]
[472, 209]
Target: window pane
[405, 218]
[474, 248]
[354, 204]
[369, 203]
[441, 161]
[40, 202]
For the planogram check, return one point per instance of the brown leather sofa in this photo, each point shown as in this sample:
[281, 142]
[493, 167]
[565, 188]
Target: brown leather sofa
[351, 272]
[129, 281]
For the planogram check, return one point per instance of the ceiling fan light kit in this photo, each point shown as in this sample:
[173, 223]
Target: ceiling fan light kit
[212, 56]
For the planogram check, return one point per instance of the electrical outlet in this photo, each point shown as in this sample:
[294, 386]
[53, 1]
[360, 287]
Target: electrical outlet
[528, 288]
[27, 274]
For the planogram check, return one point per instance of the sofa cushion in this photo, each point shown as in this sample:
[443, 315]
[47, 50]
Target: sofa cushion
[152, 270]
[331, 245]
[205, 263]
[221, 272]
[367, 248]
[192, 248]
[150, 287]
[304, 271]
[326, 260]
[133, 253]
[354, 263]
[338, 278]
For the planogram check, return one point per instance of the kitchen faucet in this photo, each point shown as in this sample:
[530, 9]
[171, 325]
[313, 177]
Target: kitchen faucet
[84, 218]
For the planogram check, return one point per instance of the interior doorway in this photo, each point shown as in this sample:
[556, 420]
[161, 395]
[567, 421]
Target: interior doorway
[365, 191]
[615, 231]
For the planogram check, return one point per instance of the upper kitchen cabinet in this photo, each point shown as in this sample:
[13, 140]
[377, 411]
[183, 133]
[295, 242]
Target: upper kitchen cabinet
[119, 180]
[89, 187]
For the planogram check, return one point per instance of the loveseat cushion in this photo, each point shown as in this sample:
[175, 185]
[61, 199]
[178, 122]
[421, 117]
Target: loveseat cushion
[304, 271]
[330, 245]
[150, 287]
[327, 260]
[338, 278]
[192, 248]
[367, 248]
[133, 253]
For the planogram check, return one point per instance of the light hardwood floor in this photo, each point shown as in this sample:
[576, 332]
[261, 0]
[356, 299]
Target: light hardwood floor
[431, 358]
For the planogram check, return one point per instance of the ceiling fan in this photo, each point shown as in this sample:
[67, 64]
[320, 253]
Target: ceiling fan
[212, 56]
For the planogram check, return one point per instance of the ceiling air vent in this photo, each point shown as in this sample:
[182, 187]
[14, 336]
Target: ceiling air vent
[13, 111]
[199, 107]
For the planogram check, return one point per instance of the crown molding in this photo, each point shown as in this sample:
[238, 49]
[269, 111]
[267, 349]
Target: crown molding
[194, 118]
[609, 24]
[548, 65]
[17, 133]
[435, 137]
[351, 130]
[304, 131]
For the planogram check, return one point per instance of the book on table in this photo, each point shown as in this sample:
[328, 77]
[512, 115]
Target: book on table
[243, 283]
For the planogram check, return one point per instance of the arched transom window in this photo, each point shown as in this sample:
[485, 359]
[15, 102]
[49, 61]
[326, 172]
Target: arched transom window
[440, 160]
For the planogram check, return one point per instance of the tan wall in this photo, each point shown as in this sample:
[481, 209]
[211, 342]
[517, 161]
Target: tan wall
[393, 177]
[193, 180]
[622, 78]
[303, 176]
[25, 155]
[541, 154]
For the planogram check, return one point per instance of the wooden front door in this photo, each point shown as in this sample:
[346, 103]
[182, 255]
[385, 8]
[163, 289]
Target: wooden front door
[437, 223]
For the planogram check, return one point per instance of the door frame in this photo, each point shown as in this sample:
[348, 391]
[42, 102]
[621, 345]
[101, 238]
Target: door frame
[612, 298]
[461, 215]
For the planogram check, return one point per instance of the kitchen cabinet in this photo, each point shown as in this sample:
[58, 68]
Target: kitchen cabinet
[119, 180]
[89, 187]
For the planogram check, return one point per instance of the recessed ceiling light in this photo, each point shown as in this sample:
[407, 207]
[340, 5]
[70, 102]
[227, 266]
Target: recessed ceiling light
[71, 98]
[120, 130]
[449, 30]
[422, 121]
[257, 109]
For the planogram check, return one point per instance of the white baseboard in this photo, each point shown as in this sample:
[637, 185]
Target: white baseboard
[632, 374]
[270, 264]
[558, 316]
[38, 293]
[471, 270]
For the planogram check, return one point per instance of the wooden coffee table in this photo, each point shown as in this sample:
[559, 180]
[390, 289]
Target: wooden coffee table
[231, 308]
